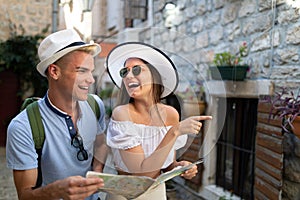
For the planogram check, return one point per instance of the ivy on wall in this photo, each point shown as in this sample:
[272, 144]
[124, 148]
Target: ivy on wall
[19, 54]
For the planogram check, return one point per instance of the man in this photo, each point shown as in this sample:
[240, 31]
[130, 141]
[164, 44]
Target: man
[73, 139]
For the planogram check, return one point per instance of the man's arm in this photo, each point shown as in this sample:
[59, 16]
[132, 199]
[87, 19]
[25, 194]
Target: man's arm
[24, 179]
[100, 153]
[75, 187]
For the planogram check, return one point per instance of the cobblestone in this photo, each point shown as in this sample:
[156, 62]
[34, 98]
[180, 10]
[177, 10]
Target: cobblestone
[7, 187]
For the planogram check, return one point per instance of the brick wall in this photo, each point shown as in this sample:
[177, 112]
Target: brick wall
[269, 156]
[191, 153]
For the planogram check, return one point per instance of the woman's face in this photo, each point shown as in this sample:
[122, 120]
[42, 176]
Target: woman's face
[138, 84]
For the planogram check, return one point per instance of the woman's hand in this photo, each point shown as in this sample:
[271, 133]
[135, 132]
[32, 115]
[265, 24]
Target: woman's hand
[192, 124]
[190, 173]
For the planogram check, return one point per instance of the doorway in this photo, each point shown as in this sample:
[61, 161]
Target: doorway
[236, 148]
[10, 101]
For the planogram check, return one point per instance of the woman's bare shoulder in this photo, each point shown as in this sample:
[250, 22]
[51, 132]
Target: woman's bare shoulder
[120, 113]
[168, 109]
[172, 116]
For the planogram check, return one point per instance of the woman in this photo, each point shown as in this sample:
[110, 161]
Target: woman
[144, 133]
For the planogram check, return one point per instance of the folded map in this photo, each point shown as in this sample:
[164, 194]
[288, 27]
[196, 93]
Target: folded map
[131, 186]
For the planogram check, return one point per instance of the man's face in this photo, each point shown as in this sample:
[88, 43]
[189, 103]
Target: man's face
[76, 74]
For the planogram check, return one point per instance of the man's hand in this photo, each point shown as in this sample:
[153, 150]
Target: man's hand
[77, 187]
[74, 187]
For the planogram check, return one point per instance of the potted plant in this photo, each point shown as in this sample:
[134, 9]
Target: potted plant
[228, 66]
[286, 106]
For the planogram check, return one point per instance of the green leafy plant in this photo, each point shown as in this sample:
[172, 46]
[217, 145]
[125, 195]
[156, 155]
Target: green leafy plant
[228, 59]
[19, 54]
[106, 94]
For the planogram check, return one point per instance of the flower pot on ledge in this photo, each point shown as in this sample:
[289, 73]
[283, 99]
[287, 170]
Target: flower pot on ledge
[235, 73]
[296, 127]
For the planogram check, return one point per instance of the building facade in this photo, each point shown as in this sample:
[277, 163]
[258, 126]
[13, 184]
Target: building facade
[234, 145]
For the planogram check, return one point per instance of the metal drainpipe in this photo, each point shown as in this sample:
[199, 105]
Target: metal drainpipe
[151, 20]
[54, 15]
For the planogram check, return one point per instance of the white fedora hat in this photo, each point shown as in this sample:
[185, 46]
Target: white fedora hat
[118, 55]
[58, 44]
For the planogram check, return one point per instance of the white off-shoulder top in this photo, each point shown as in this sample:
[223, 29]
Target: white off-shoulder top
[126, 135]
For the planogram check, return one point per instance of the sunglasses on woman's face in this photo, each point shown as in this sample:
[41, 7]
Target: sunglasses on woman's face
[136, 70]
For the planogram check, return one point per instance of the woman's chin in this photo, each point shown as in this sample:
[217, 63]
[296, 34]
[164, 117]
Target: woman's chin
[133, 92]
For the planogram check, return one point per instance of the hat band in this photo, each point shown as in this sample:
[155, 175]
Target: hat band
[72, 45]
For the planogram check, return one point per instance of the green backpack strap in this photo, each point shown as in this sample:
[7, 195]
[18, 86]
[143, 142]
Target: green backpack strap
[94, 105]
[37, 128]
[38, 134]
[29, 101]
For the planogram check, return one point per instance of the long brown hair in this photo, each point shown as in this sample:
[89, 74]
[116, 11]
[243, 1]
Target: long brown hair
[157, 87]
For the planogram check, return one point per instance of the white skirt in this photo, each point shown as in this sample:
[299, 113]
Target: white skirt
[158, 193]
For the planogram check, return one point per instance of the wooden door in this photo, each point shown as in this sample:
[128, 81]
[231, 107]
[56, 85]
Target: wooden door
[9, 101]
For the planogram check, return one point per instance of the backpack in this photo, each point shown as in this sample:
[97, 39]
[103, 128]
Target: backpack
[37, 128]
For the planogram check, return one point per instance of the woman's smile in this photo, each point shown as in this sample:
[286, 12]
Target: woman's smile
[133, 85]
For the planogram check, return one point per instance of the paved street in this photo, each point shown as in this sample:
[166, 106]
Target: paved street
[7, 188]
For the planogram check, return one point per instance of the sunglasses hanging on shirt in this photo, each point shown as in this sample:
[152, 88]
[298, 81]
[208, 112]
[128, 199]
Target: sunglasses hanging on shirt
[77, 142]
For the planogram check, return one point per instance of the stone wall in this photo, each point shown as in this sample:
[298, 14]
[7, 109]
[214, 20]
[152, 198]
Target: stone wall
[271, 30]
[33, 15]
[203, 28]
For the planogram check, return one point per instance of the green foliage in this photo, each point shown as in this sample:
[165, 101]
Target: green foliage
[19, 54]
[224, 198]
[106, 93]
[228, 59]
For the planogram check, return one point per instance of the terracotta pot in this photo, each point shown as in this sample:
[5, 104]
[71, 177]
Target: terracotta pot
[296, 126]
[193, 108]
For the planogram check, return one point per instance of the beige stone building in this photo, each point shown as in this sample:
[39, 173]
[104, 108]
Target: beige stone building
[32, 15]
[244, 155]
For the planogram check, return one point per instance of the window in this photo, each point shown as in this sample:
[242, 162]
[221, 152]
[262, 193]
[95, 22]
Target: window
[135, 9]
[235, 148]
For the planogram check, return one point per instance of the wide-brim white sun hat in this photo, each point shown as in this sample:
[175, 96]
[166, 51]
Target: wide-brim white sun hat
[58, 44]
[164, 65]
